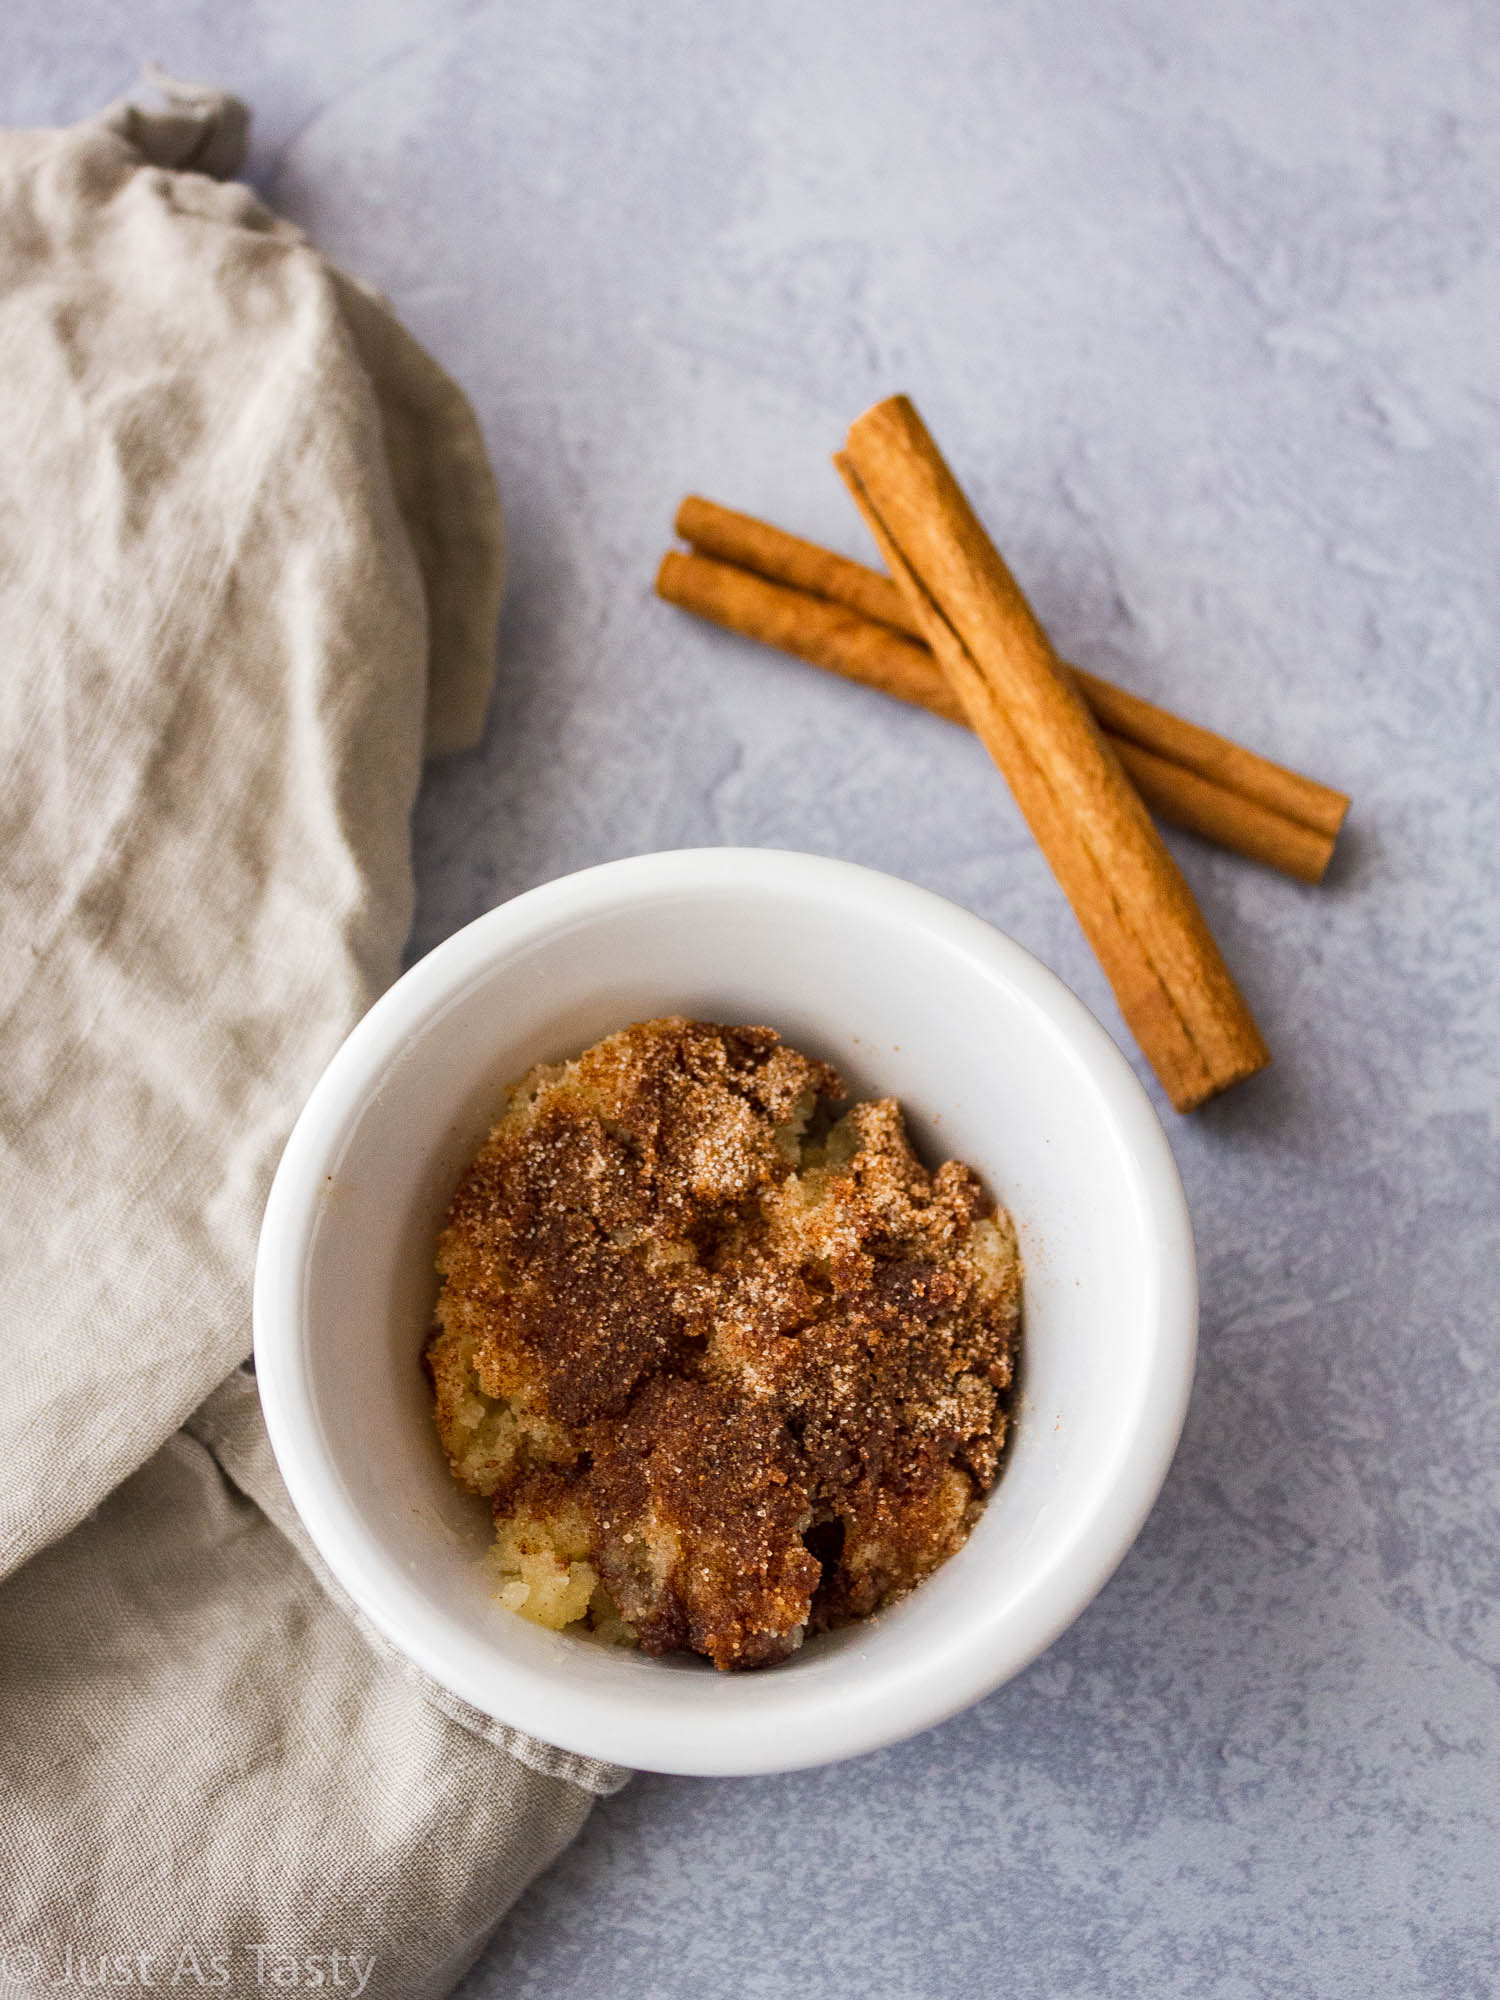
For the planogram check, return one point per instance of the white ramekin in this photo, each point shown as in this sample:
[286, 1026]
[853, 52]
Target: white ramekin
[994, 1061]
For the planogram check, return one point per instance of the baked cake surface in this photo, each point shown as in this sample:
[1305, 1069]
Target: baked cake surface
[726, 1367]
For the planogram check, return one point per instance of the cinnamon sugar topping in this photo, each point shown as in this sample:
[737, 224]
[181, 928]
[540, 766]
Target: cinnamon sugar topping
[727, 1369]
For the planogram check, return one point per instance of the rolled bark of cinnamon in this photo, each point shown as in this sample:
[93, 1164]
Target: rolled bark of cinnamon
[1183, 797]
[816, 629]
[733, 537]
[741, 539]
[1137, 912]
[828, 634]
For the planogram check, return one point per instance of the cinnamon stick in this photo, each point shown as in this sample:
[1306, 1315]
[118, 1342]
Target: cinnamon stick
[829, 635]
[739, 538]
[814, 628]
[1184, 797]
[1137, 912]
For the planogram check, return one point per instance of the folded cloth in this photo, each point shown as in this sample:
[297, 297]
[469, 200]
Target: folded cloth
[249, 549]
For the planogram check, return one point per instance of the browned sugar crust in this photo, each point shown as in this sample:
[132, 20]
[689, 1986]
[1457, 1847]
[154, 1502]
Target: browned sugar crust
[726, 1369]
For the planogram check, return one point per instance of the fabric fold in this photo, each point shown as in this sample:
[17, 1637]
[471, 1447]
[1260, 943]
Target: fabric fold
[212, 1762]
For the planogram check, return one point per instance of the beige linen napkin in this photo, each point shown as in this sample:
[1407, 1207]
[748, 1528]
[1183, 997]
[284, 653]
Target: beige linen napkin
[249, 546]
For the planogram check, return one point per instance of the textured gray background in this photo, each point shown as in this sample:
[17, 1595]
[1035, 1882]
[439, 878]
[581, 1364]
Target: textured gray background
[1204, 303]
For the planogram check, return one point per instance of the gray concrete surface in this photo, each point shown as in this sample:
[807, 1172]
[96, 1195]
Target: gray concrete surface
[1203, 303]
